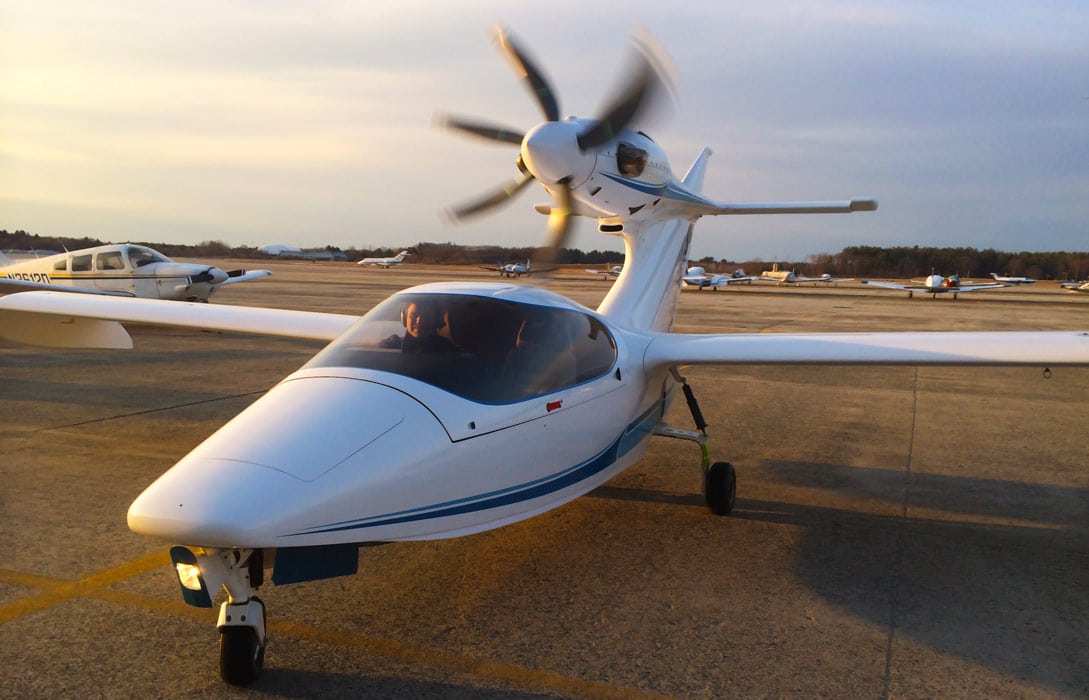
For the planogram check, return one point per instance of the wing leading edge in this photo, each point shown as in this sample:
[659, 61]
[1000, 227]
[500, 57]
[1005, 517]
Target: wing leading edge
[59, 319]
[1043, 348]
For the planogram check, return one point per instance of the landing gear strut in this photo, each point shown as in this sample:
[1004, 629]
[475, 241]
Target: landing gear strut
[720, 478]
[241, 622]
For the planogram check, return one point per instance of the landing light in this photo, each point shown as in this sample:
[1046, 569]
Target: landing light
[189, 576]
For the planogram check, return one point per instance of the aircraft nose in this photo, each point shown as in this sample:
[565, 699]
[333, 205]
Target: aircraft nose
[218, 276]
[306, 448]
[551, 153]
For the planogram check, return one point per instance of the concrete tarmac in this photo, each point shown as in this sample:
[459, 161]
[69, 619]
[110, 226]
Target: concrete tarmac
[899, 532]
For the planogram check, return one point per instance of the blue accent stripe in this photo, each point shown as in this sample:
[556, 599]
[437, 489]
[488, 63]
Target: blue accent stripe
[668, 191]
[640, 428]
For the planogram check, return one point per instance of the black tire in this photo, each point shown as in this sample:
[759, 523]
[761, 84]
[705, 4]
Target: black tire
[720, 488]
[241, 658]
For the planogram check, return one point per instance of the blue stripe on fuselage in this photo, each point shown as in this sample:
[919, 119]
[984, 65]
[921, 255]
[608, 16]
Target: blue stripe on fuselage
[627, 441]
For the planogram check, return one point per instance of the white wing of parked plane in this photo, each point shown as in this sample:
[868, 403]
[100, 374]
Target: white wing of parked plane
[61, 319]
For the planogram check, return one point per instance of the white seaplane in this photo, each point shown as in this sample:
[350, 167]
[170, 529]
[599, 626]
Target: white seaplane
[125, 270]
[403, 426]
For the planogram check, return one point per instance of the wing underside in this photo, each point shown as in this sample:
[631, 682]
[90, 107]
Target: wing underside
[58, 319]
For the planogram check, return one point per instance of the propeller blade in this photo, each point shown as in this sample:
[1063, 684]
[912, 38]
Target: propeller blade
[528, 72]
[559, 225]
[500, 196]
[645, 81]
[485, 131]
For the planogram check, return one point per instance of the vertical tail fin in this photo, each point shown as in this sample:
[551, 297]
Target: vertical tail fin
[693, 180]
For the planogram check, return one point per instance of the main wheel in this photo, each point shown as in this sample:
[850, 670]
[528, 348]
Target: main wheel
[720, 488]
[241, 657]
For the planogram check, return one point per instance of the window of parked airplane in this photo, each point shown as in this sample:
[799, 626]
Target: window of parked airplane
[483, 349]
[61, 265]
[140, 256]
[110, 260]
[81, 263]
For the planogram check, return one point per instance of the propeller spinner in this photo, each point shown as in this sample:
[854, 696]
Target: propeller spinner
[559, 154]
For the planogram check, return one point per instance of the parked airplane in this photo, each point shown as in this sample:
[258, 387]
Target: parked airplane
[791, 277]
[385, 262]
[125, 269]
[1075, 286]
[699, 278]
[515, 269]
[369, 443]
[1013, 280]
[935, 285]
[609, 273]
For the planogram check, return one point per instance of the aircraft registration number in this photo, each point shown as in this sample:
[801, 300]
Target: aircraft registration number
[30, 277]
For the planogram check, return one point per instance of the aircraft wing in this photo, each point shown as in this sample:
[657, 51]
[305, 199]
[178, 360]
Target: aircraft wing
[977, 287]
[8, 285]
[1035, 348]
[894, 285]
[58, 319]
[243, 276]
[706, 207]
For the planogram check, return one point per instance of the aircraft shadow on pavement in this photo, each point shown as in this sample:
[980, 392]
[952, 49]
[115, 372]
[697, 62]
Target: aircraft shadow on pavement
[991, 571]
[293, 683]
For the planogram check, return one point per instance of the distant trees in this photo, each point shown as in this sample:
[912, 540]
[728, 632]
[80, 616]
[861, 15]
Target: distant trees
[853, 261]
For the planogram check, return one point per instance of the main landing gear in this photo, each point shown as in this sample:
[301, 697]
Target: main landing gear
[720, 478]
[241, 624]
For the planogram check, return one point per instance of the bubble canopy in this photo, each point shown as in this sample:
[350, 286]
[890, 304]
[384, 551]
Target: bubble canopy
[478, 347]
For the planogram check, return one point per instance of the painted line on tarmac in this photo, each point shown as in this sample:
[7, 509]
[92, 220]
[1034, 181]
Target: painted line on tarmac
[60, 591]
[96, 586]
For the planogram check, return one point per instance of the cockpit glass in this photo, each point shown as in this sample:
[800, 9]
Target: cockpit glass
[630, 161]
[140, 256]
[482, 349]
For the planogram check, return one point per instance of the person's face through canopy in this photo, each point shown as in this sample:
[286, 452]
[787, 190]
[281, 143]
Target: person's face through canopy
[421, 320]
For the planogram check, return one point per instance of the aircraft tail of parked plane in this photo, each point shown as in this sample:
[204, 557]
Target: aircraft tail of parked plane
[403, 427]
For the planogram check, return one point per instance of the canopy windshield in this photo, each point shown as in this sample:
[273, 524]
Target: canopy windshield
[482, 349]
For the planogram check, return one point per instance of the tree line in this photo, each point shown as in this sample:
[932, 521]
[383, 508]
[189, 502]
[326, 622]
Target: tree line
[852, 261]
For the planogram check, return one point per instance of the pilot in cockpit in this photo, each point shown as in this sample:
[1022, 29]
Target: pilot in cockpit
[422, 319]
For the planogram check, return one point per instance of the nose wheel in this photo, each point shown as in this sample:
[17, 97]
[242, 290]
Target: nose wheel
[241, 641]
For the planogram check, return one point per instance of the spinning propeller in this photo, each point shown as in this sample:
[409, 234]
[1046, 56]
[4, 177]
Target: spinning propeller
[557, 153]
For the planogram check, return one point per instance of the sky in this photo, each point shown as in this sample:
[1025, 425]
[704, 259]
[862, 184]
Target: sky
[312, 123]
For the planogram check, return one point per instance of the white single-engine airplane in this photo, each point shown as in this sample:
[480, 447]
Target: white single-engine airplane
[935, 285]
[1012, 280]
[515, 269]
[609, 273]
[403, 427]
[385, 262]
[1075, 286]
[125, 270]
[699, 278]
[791, 277]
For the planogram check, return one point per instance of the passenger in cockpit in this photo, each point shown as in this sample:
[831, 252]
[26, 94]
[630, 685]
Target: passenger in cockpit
[422, 319]
[541, 360]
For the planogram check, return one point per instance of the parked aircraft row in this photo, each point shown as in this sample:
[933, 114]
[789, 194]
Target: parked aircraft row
[404, 426]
